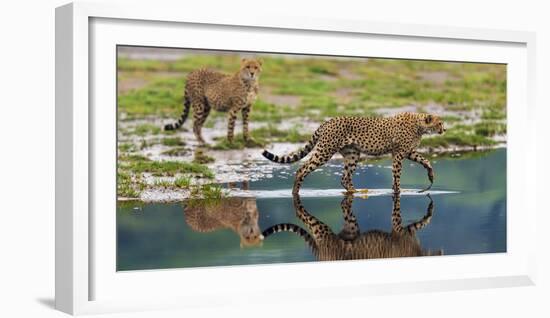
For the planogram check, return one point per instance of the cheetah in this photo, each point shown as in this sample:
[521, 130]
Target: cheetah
[398, 135]
[206, 89]
[350, 243]
[235, 213]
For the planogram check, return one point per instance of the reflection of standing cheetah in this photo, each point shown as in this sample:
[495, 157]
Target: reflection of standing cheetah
[350, 243]
[238, 214]
[206, 89]
[399, 135]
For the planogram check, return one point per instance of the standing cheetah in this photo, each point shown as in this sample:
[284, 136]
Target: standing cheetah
[399, 135]
[206, 89]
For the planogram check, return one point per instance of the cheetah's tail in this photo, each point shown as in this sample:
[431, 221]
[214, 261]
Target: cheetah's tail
[296, 155]
[289, 227]
[184, 114]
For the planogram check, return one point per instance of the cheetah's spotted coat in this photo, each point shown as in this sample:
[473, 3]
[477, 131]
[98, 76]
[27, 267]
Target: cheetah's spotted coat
[206, 89]
[399, 135]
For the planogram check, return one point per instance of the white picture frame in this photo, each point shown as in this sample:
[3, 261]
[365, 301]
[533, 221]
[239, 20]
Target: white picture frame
[78, 167]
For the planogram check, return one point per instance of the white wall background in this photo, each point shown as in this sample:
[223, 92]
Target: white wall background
[27, 156]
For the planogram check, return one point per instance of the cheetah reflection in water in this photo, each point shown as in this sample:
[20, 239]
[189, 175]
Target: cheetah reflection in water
[238, 214]
[350, 243]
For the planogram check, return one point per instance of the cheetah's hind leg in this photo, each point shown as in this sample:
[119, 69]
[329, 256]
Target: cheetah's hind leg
[200, 113]
[318, 158]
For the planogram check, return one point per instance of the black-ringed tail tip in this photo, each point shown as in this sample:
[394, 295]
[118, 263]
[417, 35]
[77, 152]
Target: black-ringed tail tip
[284, 159]
[268, 155]
[275, 158]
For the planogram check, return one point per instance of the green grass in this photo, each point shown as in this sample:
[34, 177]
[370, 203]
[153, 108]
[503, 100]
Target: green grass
[173, 141]
[375, 83]
[127, 147]
[267, 112]
[457, 138]
[170, 168]
[206, 194]
[146, 129]
[163, 183]
[180, 182]
[202, 158]
[183, 182]
[494, 112]
[490, 128]
[125, 186]
[176, 151]
[238, 143]
[139, 165]
[262, 136]
[162, 98]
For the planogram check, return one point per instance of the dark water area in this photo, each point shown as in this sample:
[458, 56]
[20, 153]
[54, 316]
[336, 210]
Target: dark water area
[469, 219]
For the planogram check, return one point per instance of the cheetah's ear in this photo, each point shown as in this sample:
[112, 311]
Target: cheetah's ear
[260, 61]
[243, 60]
[429, 119]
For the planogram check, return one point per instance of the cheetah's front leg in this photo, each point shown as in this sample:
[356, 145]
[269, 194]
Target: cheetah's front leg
[416, 157]
[246, 135]
[232, 116]
[396, 171]
[351, 157]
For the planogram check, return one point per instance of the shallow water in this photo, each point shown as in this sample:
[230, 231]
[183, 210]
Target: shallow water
[469, 215]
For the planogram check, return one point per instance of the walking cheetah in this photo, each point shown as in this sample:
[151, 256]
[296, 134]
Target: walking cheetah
[350, 243]
[399, 135]
[206, 89]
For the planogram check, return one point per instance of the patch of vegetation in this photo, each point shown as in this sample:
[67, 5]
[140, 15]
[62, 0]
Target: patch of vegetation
[224, 144]
[175, 152]
[127, 147]
[263, 111]
[163, 183]
[457, 138]
[125, 186]
[202, 158]
[273, 134]
[489, 128]
[172, 132]
[146, 129]
[162, 97]
[182, 182]
[294, 136]
[138, 165]
[206, 194]
[451, 119]
[494, 112]
[173, 141]
[132, 158]
[262, 136]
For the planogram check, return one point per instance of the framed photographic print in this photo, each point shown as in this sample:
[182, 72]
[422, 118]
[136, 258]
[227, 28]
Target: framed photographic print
[210, 158]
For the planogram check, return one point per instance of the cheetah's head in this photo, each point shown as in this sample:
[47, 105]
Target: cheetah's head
[249, 230]
[431, 124]
[250, 69]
